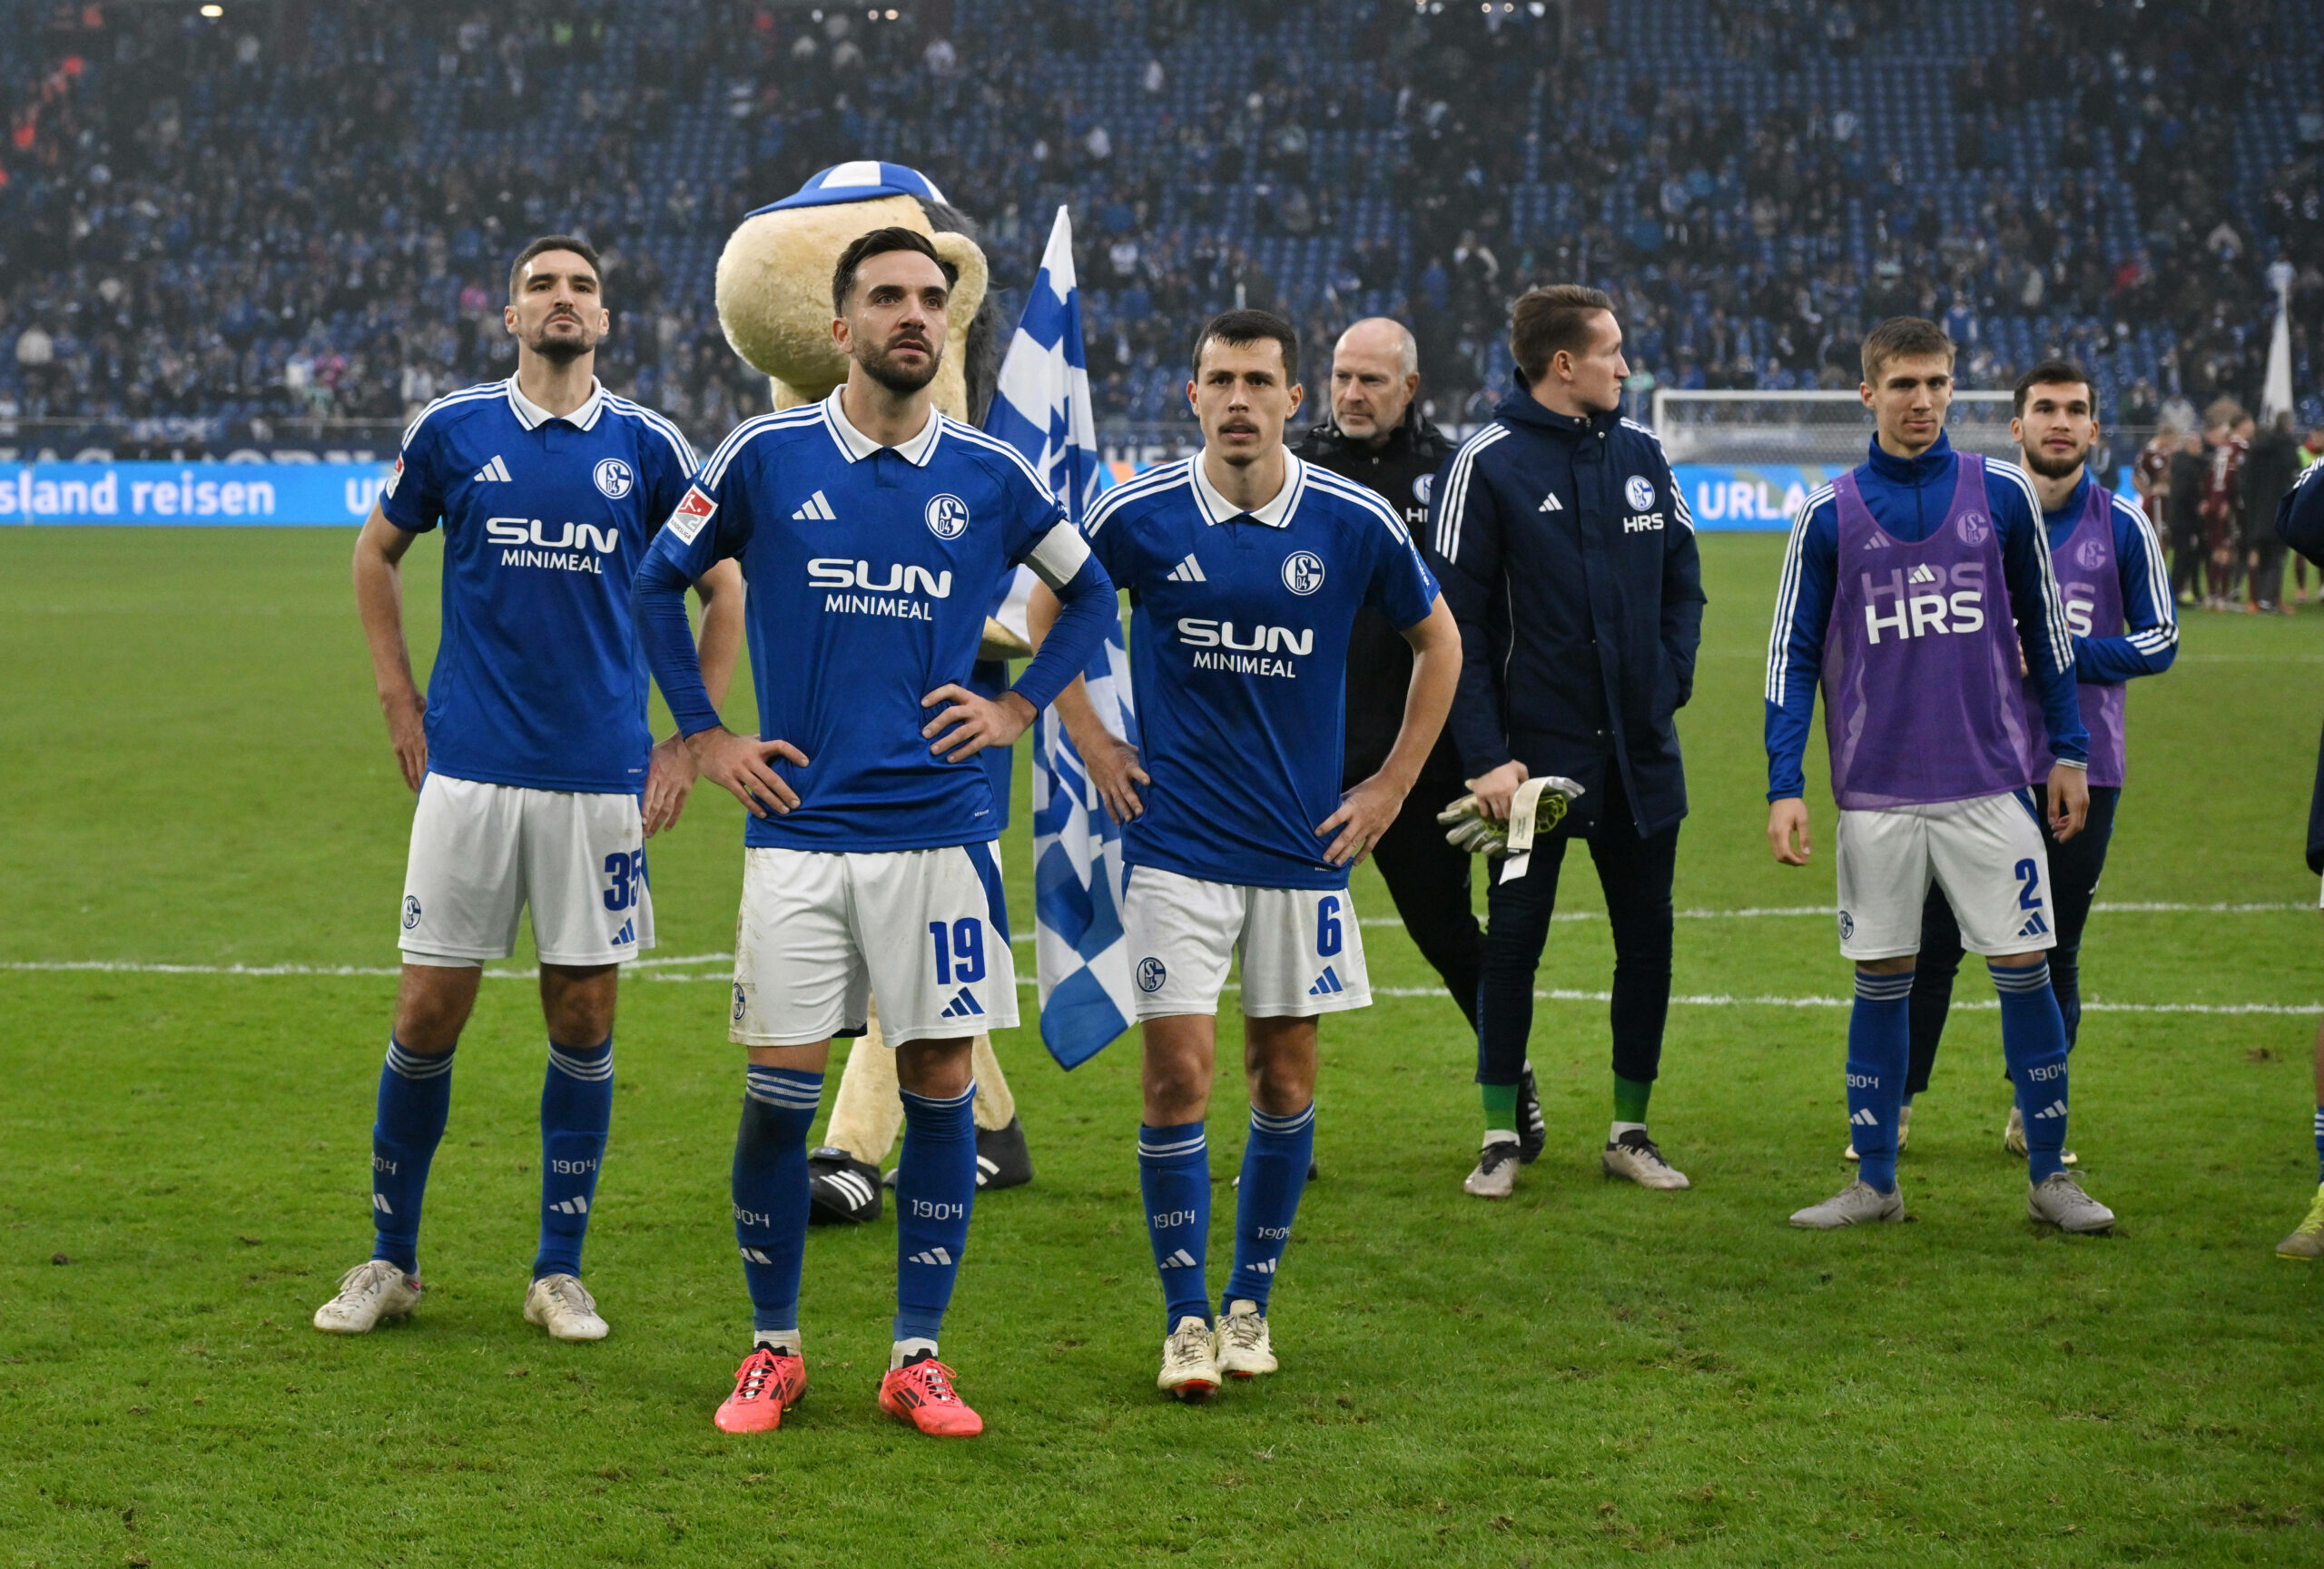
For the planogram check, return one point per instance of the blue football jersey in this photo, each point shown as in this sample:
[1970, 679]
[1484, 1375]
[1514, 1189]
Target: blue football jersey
[541, 679]
[1239, 657]
[870, 570]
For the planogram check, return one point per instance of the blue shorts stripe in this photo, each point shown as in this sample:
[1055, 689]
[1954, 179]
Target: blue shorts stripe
[987, 865]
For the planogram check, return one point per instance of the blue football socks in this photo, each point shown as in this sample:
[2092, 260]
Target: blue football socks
[1274, 1173]
[2033, 1044]
[414, 1097]
[1174, 1175]
[1880, 1049]
[935, 1184]
[769, 1187]
[577, 1108]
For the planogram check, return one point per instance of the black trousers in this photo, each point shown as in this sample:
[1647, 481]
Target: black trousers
[1429, 881]
[2074, 869]
[2188, 560]
[1636, 876]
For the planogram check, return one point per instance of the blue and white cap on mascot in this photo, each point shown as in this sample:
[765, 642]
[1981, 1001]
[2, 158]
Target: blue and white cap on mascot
[862, 181]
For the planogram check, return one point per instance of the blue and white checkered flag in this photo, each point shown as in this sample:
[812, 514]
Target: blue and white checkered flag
[1042, 409]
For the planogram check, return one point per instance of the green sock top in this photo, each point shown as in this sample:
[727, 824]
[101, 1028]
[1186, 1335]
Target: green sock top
[1501, 1105]
[1630, 1096]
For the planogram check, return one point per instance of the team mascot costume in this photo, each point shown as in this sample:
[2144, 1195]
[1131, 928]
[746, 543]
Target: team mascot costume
[775, 301]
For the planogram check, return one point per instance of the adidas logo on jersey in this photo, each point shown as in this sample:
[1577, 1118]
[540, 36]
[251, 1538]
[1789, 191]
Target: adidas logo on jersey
[1550, 504]
[496, 469]
[1863, 1119]
[576, 1204]
[1180, 1259]
[2054, 1110]
[814, 509]
[1326, 984]
[2034, 926]
[933, 1256]
[1187, 571]
[629, 932]
[1921, 574]
[964, 1006]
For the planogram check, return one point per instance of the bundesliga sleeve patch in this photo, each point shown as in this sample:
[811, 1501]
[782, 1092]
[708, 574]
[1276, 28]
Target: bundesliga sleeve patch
[692, 514]
[394, 475]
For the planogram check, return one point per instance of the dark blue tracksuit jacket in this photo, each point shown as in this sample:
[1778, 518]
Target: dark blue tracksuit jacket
[1567, 555]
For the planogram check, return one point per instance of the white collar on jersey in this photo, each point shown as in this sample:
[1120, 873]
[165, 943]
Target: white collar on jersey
[857, 444]
[532, 416]
[1275, 514]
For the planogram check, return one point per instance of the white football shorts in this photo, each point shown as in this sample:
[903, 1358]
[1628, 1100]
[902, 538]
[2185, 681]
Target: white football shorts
[481, 853]
[821, 932]
[1302, 950]
[1986, 854]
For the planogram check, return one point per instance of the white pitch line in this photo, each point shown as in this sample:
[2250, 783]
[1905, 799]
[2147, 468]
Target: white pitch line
[2128, 907]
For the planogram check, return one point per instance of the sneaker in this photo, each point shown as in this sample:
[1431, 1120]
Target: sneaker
[2059, 1199]
[1532, 1128]
[1243, 1351]
[1904, 1134]
[563, 1305]
[1496, 1173]
[368, 1294]
[1857, 1204]
[767, 1384]
[1190, 1361]
[2307, 1240]
[921, 1392]
[1634, 1156]
[1002, 1159]
[2012, 1139]
[840, 1189]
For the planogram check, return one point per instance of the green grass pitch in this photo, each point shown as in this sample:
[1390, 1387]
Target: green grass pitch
[196, 775]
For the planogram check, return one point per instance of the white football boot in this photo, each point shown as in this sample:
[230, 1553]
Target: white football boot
[368, 1294]
[1244, 1349]
[2059, 1199]
[1635, 1156]
[1858, 1204]
[1189, 1361]
[563, 1305]
[1496, 1173]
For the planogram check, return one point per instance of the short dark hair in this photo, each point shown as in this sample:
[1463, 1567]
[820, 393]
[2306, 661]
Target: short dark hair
[1551, 320]
[573, 242]
[1236, 329]
[879, 242]
[2052, 373]
[1902, 338]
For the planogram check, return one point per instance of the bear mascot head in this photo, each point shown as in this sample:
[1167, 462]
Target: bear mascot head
[775, 283]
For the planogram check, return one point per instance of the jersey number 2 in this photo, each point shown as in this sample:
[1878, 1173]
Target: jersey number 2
[2029, 872]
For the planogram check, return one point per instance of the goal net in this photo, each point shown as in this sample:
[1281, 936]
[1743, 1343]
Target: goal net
[1825, 430]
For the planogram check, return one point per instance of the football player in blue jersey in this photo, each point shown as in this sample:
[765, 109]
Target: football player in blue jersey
[874, 531]
[538, 783]
[1245, 568]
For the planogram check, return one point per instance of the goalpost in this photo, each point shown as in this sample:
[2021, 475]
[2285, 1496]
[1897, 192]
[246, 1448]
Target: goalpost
[1818, 429]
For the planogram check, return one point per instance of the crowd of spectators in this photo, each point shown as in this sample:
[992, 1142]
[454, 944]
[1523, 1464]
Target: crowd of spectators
[299, 212]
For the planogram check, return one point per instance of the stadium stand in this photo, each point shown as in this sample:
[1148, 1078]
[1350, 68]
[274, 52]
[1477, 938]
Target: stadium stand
[214, 230]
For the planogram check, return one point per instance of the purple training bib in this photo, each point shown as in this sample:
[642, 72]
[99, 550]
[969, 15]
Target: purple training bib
[1920, 678]
[2090, 581]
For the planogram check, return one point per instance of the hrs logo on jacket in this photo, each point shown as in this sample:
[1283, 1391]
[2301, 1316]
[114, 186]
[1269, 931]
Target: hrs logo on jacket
[1926, 601]
[1638, 491]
